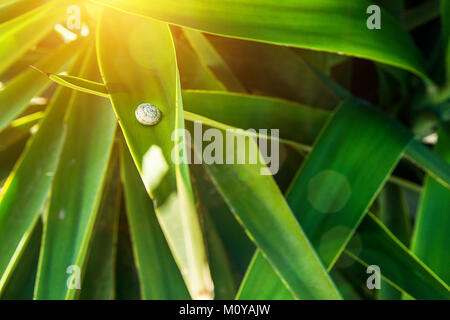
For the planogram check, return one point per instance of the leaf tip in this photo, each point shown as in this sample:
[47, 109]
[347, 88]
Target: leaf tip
[41, 71]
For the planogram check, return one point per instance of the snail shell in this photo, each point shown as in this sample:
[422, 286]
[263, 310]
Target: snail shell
[148, 114]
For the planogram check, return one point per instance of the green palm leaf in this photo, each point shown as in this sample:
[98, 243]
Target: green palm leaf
[360, 96]
[151, 147]
[328, 25]
[157, 270]
[76, 192]
[28, 186]
[430, 239]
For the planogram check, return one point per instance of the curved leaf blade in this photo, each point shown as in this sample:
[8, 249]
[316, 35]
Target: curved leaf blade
[397, 264]
[326, 25]
[431, 239]
[260, 271]
[17, 94]
[28, 186]
[332, 191]
[159, 276]
[419, 154]
[259, 205]
[212, 60]
[331, 194]
[99, 280]
[76, 191]
[149, 53]
[20, 283]
[21, 33]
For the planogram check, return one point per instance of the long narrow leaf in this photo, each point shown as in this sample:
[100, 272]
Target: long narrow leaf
[431, 238]
[394, 215]
[28, 186]
[328, 25]
[158, 272]
[152, 77]
[194, 74]
[76, 193]
[332, 190]
[19, 129]
[259, 205]
[99, 280]
[331, 194]
[20, 284]
[377, 246]
[418, 153]
[212, 60]
[17, 94]
[21, 33]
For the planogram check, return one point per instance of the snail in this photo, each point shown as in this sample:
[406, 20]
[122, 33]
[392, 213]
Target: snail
[148, 114]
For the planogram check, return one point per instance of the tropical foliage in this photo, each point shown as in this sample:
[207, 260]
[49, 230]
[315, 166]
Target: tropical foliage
[94, 205]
